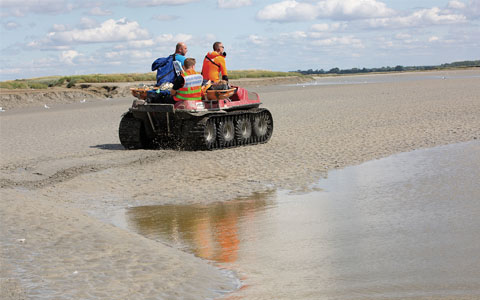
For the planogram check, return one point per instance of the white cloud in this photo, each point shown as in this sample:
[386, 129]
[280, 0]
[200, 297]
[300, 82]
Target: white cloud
[164, 42]
[354, 9]
[433, 39]
[323, 30]
[257, 40]
[132, 54]
[68, 56]
[141, 44]
[287, 11]
[59, 27]
[98, 11]
[159, 2]
[329, 27]
[470, 9]
[403, 36]
[423, 17]
[292, 10]
[109, 31]
[296, 35]
[456, 4]
[321, 27]
[233, 3]
[304, 40]
[435, 15]
[24, 7]
[11, 25]
[170, 38]
[339, 41]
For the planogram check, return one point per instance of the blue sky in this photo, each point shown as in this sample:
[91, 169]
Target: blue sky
[66, 37]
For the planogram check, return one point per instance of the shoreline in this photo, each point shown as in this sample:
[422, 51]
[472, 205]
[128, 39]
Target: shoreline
[63, 174]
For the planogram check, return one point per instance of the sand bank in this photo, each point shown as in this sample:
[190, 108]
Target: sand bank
[63, 174]
[93, 92]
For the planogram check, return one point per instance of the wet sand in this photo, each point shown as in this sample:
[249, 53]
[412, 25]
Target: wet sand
[63, 174]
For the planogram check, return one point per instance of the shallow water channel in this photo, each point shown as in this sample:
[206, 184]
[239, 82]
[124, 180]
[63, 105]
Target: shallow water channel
[395, 77]
[399, 227]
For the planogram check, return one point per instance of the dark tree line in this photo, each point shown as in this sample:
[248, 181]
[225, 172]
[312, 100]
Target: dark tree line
[459, 64]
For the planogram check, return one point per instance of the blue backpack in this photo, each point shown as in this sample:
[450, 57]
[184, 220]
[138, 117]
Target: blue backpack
[167, 69]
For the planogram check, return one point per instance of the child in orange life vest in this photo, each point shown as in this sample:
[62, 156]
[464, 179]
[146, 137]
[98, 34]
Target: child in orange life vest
[189, 85]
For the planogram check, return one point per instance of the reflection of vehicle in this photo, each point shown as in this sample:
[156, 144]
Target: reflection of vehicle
[223, 119]
[214, 231]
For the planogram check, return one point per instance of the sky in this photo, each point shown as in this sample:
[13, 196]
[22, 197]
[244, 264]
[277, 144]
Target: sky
[67, 37]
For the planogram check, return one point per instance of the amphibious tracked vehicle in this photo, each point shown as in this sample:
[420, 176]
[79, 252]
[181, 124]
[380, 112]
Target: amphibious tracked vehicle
[222, 119]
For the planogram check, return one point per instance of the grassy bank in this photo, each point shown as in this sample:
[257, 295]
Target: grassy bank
[69, 81]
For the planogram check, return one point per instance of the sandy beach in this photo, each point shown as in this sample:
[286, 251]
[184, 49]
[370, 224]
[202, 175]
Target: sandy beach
[64, 174]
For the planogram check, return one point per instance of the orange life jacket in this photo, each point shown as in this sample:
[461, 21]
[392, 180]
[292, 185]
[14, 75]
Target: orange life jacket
[213, 64]
[190, 90]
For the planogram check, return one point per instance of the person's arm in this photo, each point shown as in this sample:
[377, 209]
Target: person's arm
[205, 87]
[223, 68]
[177, 83]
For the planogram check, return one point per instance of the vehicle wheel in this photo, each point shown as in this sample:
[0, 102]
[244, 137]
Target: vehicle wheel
[132, 133]
[210, 134]
[243, 130]
[226, 132]
[263, 126]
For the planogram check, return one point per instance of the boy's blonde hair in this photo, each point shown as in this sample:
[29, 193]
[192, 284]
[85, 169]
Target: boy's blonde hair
[188, 63]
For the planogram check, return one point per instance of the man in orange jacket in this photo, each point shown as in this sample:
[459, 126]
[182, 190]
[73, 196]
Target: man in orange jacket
[214, 63]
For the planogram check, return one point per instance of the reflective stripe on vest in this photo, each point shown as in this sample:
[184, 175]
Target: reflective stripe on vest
[192, 89]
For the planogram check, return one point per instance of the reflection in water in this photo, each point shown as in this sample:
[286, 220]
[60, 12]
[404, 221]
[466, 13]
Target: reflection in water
[403, 227]
[208, 231]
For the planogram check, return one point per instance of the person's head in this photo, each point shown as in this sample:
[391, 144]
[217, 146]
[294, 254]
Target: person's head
[218, 47]
[181, 49]
[189, 63]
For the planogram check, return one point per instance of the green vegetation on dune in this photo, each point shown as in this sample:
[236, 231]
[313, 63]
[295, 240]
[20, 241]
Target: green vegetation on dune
[70, 81]
[36, 83]
[101, 78]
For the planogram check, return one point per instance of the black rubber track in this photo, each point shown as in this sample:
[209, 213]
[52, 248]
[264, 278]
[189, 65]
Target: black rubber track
[132, 133]
[195, 139]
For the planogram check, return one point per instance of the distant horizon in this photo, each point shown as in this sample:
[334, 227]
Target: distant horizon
[436, 67]
[69, 37]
